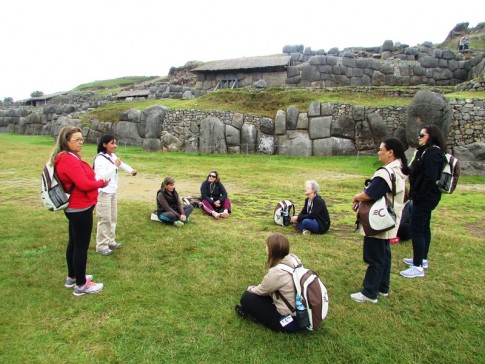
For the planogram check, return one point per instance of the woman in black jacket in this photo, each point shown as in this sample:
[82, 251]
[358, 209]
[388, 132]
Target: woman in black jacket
[214, 197]
[426, 168]
[314, 217]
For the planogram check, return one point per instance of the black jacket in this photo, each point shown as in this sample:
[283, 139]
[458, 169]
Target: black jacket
[167, 202]
[426, 169]
[216, 192]
[318, 212]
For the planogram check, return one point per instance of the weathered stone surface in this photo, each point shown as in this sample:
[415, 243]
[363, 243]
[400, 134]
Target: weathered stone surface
[333, 146]
[233, 135]
[326, 109]
[152, 145]
[344, 127]
[249, 135]
[267, 126]
[266, 143]
[472, 158]
[378, 79]
[319, 127]
[400, 133]
[237, 120]
[61, 122]
[154, 119]
[260, 84]
[427, 108]
[234, 149]
[127, 133]
[295, 142]
[302, 122]
[292, 117]
[171, 143]
[314, 109]
[377, 126]
[187, 95]
[388, 45]
[364, 140]
[280, 123]
[212, 138]
[134, 115]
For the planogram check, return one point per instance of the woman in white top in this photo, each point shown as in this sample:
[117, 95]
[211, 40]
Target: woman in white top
[106, 165]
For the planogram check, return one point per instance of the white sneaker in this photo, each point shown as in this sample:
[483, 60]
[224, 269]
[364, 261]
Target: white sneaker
[306, 232]
[409, 261]
[413, 272]
[178, 224]
[154, 217]
[89, 287]
[359, 297]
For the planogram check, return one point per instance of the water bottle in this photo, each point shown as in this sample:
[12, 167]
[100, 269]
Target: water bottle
[301, 313]
[286, 217]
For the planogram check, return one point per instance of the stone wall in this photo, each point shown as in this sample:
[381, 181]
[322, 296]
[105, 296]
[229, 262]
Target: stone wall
[323, 129]
[388, 65]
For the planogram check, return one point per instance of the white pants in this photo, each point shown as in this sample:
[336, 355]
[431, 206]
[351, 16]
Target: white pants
[107, 212]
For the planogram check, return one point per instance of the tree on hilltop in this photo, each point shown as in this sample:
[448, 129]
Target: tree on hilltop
[36, 94]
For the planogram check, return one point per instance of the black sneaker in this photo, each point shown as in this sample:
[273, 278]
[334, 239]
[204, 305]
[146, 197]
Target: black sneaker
[241, 312]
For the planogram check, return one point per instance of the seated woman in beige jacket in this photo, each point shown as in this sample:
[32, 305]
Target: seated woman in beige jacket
[263, 303]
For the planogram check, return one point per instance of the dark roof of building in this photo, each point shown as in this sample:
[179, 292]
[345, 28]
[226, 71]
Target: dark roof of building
[244, 63]
[133, 93]
[46, 97]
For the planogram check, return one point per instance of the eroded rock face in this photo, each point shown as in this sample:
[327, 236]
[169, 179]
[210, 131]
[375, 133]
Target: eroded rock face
[427, 108]
[211, 136]
[154, 119]
[472, 158]
[295, 142]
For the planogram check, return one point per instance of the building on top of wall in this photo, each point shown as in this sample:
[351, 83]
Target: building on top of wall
[242, 72]
[42, 100]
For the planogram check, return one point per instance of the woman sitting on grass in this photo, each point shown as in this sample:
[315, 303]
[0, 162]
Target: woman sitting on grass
[214, 197]
[265, 303]
[314, 217]
[169, 207]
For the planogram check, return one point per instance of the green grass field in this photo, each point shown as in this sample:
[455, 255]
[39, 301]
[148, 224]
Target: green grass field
[169, 293]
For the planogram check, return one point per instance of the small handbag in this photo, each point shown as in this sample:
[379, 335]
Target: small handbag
[378, 216]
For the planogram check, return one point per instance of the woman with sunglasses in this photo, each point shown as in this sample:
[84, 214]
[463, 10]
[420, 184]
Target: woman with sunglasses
[426, 169]
[214, 197]
[77, 175]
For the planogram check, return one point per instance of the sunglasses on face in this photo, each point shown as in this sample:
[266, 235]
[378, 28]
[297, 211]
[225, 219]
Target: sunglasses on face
[212, 175]
[421, 135]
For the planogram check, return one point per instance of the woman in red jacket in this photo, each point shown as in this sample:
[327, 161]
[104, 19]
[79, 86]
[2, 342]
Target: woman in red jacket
[77, 175]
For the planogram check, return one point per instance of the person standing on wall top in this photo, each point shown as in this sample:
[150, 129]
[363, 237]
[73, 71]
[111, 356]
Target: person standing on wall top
[106, 165]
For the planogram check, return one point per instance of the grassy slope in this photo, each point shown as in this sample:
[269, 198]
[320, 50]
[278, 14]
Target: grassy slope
[169, 293]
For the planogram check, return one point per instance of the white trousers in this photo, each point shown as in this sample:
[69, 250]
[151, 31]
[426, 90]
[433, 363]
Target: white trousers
[107, 213]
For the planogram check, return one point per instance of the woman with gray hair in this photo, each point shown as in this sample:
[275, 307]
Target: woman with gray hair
[314, 217]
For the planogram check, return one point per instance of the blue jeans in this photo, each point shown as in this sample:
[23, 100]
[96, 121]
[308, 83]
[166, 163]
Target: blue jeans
[377, 253]
[170, 217]
[308, 224]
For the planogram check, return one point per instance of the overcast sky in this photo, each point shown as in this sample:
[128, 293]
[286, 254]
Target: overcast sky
[56, 45]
